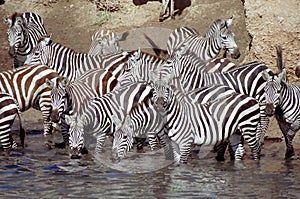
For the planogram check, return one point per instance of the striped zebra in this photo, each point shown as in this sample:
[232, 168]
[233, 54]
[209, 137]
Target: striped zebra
[95, 116]
[9, 110]
[27, 85]
[105, 43]
[218, 37]
[67, 97]
[245, 79]
[145, 119]
[283, 100]
[71, 64]
[189, 122]
[24, 31]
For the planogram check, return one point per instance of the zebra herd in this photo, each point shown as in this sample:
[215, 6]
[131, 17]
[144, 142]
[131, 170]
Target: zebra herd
[193, 97]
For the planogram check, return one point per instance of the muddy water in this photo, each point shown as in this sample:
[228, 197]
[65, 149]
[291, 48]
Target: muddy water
[37, 172]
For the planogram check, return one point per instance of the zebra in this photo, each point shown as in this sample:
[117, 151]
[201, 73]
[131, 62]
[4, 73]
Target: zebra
[24, 31]
[71, 64]
[144, 118]
[9, 109]
[27, 86]
[218, 37]
[67, 97]
[105, 43]
[245, 79]
[95, 115]
[283, 100]
[189, 122]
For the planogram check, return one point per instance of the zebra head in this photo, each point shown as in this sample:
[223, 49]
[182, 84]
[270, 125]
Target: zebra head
[16, 33]
[272, 90]
[123, 138]
[59, 98]
[76, 139]
[221, 29]
[161, 93]
[41, 53]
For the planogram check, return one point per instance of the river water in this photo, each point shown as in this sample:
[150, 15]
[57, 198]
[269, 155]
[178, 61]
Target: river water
[38, 172]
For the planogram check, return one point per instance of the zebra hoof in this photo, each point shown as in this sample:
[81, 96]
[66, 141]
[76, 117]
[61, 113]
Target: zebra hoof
[220, 158]
[75, 156]
[61, 145]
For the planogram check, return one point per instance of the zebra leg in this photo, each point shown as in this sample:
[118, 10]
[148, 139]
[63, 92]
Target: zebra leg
[253, 142]
[163, 11]
[152, 140]
[45, 107]
[220, 148]
[236, 148]
[288, 137]
[172, 12]
[100, 143]
[65, 134]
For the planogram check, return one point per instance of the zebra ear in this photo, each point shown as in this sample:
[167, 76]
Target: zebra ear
[229, 21]
[49, 83]
[7, 21]
[64, 82]
[69, 119]
[282, 75]
[265, 75]
[116, 121]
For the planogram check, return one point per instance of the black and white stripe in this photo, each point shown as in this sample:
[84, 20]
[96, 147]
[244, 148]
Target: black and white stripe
[71, 64]
[67, 97]
[27, 85]
[218, 37]
[9, 109]
[25, 29]
[189, 122]
[95, 116]
[283, 101]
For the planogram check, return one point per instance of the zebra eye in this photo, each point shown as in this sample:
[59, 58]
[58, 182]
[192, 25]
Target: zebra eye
[36, 53]
[125, 136]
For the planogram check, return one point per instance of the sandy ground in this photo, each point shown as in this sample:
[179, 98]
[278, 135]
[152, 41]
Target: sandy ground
[258, 26]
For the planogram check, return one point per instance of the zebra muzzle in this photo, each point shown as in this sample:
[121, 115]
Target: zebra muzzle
[236, 53]
[270, 110]
[55, 116]
[12, 51]
[75, 153]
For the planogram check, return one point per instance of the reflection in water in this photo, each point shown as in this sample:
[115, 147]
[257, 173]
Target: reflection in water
[44, 173]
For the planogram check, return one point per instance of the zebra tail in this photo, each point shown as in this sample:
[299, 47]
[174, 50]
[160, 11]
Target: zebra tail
[280, 64]
[22, 130]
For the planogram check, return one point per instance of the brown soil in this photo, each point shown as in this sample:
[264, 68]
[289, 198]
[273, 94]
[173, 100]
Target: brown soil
[72, 23]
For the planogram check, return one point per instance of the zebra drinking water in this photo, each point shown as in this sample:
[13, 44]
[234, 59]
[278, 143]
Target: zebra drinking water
[144, 119]
[95, 116]
[24, 31]
[67, 97]
[9, 109]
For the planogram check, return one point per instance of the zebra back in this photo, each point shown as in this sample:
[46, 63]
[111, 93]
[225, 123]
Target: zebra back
[27, 85]
[71, 64]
